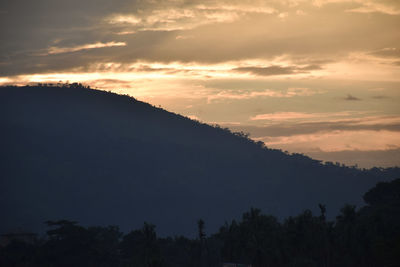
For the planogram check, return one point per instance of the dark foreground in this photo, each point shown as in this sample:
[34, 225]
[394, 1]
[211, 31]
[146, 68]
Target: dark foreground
[99, 158]
[369, 236]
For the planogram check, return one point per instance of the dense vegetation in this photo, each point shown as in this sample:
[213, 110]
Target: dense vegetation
[369, 236]
[99, 158]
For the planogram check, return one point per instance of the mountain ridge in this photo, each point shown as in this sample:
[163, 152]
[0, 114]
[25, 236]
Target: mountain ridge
[101, 158]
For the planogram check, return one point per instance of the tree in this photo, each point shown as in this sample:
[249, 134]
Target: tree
[140, 247]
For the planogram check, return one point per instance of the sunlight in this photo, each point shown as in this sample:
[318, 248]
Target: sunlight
[59, 50]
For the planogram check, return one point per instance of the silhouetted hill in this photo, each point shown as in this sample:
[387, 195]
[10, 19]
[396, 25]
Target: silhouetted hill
[100, 158]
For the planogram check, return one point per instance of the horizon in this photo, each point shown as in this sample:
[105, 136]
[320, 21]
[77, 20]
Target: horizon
[321, 78]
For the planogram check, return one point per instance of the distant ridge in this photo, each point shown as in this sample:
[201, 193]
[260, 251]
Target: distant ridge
[71, 152]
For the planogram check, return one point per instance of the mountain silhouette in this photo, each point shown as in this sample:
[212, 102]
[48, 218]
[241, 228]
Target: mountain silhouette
[70, 152]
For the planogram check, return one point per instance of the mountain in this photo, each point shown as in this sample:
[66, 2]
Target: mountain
[70, 152]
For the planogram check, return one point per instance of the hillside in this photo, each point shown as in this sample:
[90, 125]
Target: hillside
[100, 158]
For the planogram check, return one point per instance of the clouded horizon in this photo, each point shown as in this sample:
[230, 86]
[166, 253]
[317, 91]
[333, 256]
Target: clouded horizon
[319, 77]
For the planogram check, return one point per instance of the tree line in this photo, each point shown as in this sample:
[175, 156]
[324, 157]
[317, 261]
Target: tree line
[368, 236]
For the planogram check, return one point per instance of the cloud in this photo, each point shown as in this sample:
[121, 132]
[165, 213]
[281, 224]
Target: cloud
[363, 159]
[388, 7]
[380, 97]
[375, 6]
[171, 16]
[142, 68]
[123, 19]
[249, 94]
[105, 83]
[59, 50]
[266, 71]
[377, 89]
[220, 31]
[298, 123]
[281, 116]
[349, 97]
[125, 32]
[388, 56]
[365, 140]
[277, 70]
[390, 52]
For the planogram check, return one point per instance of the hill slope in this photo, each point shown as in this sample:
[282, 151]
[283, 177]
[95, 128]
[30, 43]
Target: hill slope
[102, 158]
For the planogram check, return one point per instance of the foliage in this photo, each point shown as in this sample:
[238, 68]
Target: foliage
[366, 237]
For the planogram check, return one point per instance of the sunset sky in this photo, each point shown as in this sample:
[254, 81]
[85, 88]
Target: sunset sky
[319, 77]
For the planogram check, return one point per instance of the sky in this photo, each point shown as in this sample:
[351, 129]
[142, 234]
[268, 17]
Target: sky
[318, 77]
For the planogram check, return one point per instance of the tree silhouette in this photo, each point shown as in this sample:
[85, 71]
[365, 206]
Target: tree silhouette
[367, 237]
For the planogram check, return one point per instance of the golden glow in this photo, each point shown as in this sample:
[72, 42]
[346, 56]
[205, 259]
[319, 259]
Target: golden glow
[282, 116]
[5, 81]
[366, 6]
[363, 140]
[145, 73]
[243, 94]
[130, 19]
[59, 50]
[181, 18]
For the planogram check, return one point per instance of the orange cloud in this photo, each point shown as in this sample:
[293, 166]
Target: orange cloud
[280, 116]
[59, 50]
[242, 94]
[283, 116]
[364, 140]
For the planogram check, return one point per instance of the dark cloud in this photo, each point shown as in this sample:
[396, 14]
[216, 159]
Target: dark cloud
[74, 61]
[218, 33]
[349, 97]
[114, 81]
[36, 23]
[364, 159]
[266, 71]
[387, 52]
[312, 61]
[311, 67]
[380, 97]
[277, 70]
[28, 28]
[286, 129]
